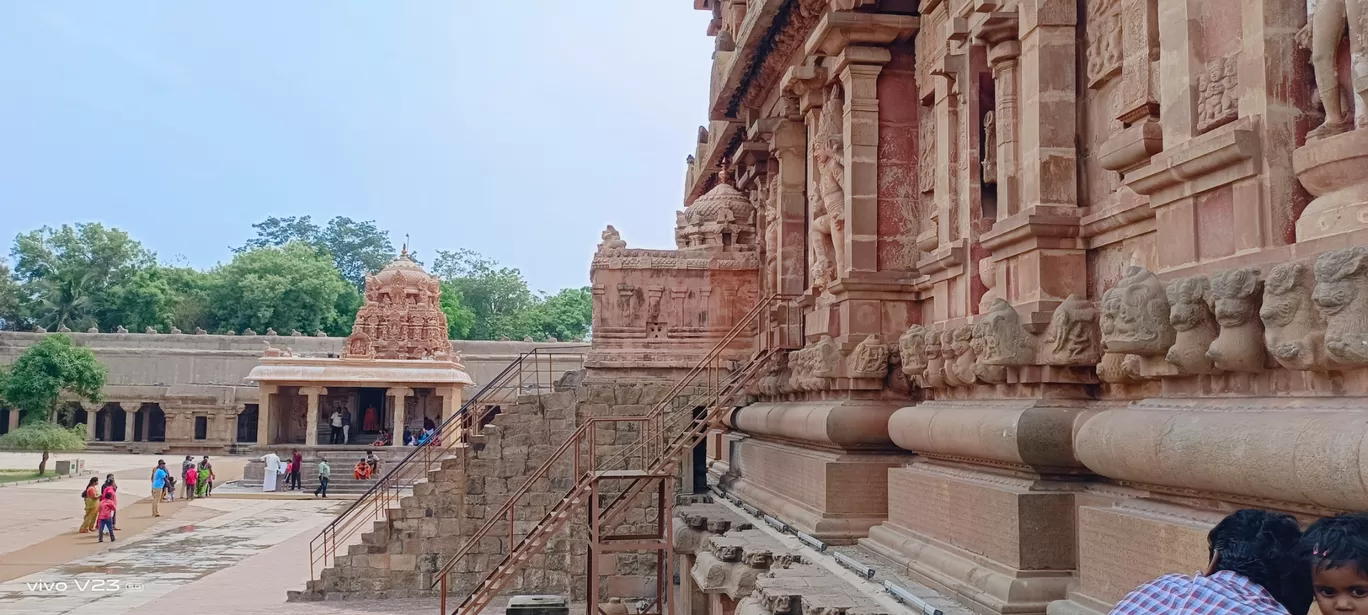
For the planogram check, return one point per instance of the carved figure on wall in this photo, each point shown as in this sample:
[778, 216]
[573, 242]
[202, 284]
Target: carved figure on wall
[989, 168]
[827, 357]
[961, 370]
[1135, 315]
[828, 202]
[612, 240]
[1342, 295]
[93, 330]
[272, 351]
[769, 199]
[1217, 92]
[869, 359]
[1235, 295]
[1073, 337]
[934, 376]
[1004, 342]
[1294, 329]
[150, 331]
[992, 374]
[120, 329]
[1325, 28]
[912, 351]
[1194, 323]
[1117, 368]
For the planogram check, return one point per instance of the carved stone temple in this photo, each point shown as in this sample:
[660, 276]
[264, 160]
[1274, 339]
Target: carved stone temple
[1061, 283]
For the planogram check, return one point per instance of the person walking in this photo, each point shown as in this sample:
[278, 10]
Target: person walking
[185, 469]
[191, 482]
[346, 427]
[336, 422]
[112, 488]
[91, 495]
[206, 477]
[107, 509]
[296, 469]
[323, 471]
[158, 486]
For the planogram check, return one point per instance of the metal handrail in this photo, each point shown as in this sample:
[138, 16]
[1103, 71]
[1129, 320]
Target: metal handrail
[709, 367]
[450, 435]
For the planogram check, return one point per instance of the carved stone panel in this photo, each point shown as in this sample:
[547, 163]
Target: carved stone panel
[1218, 93]
[1103, 39]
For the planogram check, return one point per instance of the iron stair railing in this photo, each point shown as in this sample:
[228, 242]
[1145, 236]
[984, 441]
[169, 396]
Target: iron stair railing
[661, 443]
[456, 431]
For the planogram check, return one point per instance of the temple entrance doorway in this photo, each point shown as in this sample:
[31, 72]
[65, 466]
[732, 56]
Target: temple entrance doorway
[5, 419]
[111, 423]
[72, 415]
[372, 419]
[149, 424]
[247, 423]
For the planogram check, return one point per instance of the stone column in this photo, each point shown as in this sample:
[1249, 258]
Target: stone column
[130, 421]
[397, 396]
[311, 419]
[1049, 109]
[451, 401]
[858, 68]
[266, 398]
[14, 419]
[89, 423]
[1003, 57]
[789, 147]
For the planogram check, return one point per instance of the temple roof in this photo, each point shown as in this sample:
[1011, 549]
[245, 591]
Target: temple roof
[401, 317]
[342, 372]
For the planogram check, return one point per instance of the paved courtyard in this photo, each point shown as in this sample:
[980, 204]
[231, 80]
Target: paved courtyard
[220, 555]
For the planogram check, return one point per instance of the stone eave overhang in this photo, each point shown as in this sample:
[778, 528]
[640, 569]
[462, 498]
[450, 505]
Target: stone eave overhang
[675, 259]
[348, 372]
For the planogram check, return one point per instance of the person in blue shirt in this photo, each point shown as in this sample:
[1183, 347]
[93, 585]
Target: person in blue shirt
[158, 485]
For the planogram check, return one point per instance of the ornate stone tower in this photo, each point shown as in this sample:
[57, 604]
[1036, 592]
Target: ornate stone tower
[401, 318]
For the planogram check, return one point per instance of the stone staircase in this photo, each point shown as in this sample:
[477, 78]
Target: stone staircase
[398, 557]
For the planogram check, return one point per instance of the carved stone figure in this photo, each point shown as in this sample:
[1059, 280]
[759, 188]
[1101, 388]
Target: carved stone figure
[828, 206]
[962, 369]
[1342, 295]
[1004, 342]
[612, 240]
[150, 331]
[1073, 337]
[1117, 368]
[40, 329]
[120, 329]
[934, 376]
[769, 199]
[989, 149]
[1135, 316]
[912, 351]
[1194, 323]
[869, 359]
[271, 331]
[62, 328]
[1235, 296]
[1325, 27]
[1294, 329]
[827, 357]
[272, 351]
[992, 374]
[778, 604]
[295, 333]
[93, 330]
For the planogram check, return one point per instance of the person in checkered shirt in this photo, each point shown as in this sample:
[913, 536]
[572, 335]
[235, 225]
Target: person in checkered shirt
[1255, 569]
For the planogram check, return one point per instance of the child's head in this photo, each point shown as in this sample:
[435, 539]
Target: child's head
[107, 496]
[1337, 550]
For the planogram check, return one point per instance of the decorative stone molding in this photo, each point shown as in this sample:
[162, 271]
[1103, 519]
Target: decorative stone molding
[1073, 337]
[1135, 316]
[813, 365]
[912, 352]
[957, 345]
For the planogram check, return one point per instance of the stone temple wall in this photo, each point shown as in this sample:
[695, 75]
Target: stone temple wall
[187, 376]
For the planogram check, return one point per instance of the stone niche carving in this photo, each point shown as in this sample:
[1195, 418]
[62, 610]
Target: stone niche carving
[869, 359]
[1218, 93]
[1073, 337]
[1342, 295]
[828, 200]
[1135, 316]
[1235, 296]
[1194, 323]
[1294, 329]
[612, 240]
[989, 171]
[912, 352]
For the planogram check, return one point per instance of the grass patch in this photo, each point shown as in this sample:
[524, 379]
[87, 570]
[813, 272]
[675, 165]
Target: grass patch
[14, 476]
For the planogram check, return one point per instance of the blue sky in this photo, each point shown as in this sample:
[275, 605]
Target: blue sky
[517, 129]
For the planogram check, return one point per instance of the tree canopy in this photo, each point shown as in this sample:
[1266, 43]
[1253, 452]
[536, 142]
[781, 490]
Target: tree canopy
[294, 275]
[55, 366]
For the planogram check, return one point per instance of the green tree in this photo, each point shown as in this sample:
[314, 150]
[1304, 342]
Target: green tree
[294, 286]
[77, 276]
[498, 296]
[357, 248]
[565, 315]
[35, 384]
[11, 301]
[190, 301]
[460, 319]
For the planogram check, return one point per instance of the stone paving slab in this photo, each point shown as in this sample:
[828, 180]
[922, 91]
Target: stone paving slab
[165, 559]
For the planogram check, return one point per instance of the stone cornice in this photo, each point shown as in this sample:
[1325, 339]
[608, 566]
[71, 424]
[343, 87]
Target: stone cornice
[1206, 162]
[674, 259]
[838, 30]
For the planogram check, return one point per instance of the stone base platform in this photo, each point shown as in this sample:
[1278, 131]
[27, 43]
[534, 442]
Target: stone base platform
[341, 458]
[998, 543]
[833, 495]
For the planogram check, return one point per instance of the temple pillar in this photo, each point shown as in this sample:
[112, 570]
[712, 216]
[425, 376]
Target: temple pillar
[451, 402]
[14, 419]
[788, 146]
[267, 398]
[311, 394]
[90, 423]
[397, 397]
[130, 422]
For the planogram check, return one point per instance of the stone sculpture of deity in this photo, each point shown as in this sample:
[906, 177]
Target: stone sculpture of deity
[912, 351]
[869, 359]
[1325, 28]
[1073, 337]
[1294, 329]
[828, 205]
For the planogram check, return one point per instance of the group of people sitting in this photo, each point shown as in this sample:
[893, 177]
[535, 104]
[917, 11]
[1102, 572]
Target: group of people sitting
[1261, 563]
[367, 467]
[429, 434]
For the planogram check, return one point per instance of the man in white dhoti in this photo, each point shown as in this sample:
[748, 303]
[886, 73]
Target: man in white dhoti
[273, 469]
